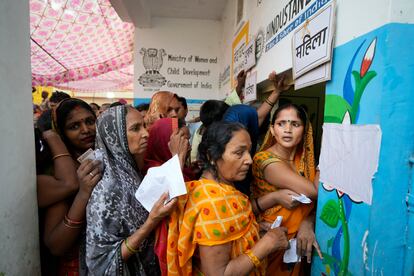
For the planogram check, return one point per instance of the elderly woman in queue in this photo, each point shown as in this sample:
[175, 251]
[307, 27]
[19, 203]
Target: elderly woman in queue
[64, 187]
[164, 104]
[285, 167]
[214, 231]
[119, 237]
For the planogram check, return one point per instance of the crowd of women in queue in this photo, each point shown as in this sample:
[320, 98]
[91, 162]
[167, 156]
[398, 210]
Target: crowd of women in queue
[91, 223]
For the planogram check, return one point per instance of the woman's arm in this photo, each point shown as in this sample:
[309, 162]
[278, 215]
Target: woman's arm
[215, 260]
[64, 222]
[282, 176]
[64, 182]
[158, 212]
[280, 197]
[267, 105]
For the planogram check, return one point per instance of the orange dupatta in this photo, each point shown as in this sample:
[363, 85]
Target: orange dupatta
[210, 214]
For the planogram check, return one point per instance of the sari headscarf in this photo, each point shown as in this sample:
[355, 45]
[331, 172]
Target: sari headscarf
[158, 151]
[113, 213]
[158, 107]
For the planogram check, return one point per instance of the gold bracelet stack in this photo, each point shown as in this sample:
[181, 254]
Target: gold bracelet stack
[253, 258]
[130, 249]
[269, 102]
[72, 223]
[60, 155]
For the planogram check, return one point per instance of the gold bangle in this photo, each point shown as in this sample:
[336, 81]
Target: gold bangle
[269, 102]
[60, 155]
[130, 249]
[253, 258]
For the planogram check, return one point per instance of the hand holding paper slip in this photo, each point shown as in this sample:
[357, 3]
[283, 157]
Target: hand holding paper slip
[277, 222]
[302, 199]
[291, 255]
[166, 178]
[92, 155]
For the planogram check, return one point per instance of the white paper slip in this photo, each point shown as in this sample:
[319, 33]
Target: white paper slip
[166, 178]
[302, 199]
[89, 154]
[290, 255]
[277, 222]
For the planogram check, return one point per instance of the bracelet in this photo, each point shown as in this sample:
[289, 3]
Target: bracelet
[269, 102]
[258, 206]
[60, 155]
[71, 223]
[253, 258]
[130, 249]
[71, 226]
[75, 222]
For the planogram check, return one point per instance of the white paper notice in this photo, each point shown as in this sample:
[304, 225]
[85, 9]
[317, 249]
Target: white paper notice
[250, 55]
[319, 74]
[290, 255]
[166, 178]
[250, 89]
[349, 158]
[312, 41]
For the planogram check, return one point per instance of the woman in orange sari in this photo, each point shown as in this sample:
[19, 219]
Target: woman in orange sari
[214, 231]
[284, 168]
[164, 104]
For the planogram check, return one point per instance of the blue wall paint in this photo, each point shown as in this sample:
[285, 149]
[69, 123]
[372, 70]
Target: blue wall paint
[388, 101]
[389, 216]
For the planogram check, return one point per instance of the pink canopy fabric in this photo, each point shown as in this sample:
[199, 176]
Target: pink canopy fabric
[80, 45]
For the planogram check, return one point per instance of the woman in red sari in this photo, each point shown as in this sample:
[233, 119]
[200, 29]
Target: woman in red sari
[162, 145]
[167, 137]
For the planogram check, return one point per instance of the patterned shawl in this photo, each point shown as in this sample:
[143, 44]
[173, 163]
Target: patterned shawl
[113, 213]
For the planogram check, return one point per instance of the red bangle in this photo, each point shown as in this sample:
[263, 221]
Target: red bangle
[73, 222]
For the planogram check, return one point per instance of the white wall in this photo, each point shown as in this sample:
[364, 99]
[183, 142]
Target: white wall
[354, 18]
[185, 38]
[18, 209]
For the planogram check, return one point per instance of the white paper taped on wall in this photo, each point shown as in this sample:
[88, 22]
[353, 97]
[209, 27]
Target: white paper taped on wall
[165, 178]
[349, 158]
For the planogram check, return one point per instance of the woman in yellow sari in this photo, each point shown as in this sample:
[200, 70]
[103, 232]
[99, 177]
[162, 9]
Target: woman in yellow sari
[214, 231]
[284, 168]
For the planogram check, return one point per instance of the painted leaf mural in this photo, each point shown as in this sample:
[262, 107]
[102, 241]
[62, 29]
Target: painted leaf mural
[330, 214]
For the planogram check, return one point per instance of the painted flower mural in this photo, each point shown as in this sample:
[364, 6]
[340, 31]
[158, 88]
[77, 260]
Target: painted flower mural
[344, 110]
